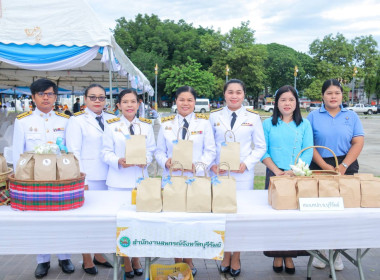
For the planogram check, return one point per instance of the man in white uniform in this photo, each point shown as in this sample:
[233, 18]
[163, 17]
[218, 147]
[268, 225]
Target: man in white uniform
[34, 128]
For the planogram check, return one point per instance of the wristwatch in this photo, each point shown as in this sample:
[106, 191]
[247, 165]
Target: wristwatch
[345, 165]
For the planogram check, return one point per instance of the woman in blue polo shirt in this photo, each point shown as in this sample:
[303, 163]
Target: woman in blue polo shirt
[340, 130]
[286, 134]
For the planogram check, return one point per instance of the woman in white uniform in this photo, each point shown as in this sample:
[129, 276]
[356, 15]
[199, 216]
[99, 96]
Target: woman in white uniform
[200, 132]
[122, 176]
[84, 139]
[247, 128]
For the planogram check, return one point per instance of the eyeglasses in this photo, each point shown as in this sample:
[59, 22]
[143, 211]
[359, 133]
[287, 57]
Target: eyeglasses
[48, 94]
[100, 98]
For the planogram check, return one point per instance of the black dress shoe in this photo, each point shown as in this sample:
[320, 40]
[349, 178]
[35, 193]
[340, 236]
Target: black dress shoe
[105, 264]
[235, 273]
[194, 271]
[224, 269]
[67, 266]
[42, 270]
[277, 269]
[129, 274]
[91, 270]
[289, 270]
[138, 271]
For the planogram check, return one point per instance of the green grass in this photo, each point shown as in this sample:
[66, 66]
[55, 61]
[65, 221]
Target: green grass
[259, 183]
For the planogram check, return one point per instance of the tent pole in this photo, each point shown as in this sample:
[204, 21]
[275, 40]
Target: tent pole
[110, 77]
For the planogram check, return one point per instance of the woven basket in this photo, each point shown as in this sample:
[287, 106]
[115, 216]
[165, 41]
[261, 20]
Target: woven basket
[322, 172]
[47, 195]
[4, 194]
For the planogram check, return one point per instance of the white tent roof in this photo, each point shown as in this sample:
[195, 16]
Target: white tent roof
[68, 23]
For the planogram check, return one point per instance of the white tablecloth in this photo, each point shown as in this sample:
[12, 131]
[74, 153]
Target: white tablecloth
[256, 227]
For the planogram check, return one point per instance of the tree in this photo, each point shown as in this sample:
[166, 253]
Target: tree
[189, 74]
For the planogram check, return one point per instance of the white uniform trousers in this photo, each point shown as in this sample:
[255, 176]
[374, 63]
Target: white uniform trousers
[97, 185]
[42, 258]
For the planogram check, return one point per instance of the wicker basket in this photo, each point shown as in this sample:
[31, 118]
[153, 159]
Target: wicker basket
[4, 193]
[47, 195]
[322, 172]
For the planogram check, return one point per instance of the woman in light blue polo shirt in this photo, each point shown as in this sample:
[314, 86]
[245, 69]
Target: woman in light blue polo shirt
[286, 134]
[340, 130]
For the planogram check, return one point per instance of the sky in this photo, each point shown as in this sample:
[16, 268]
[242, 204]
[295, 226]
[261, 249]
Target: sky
[294, 23]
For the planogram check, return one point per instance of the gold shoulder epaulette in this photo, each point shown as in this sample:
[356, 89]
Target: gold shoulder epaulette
[201, 116]
[165, 119]
[113, 120]
[145, 120]
[79, 113]
[109, 112]
[252, 111]
[216, 110]
[62, 115]
[23, 115]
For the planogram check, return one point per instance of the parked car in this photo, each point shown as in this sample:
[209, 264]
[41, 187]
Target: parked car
[313, 106]
[378, 109]
[269, 107]
[202, 105]
[363, 108]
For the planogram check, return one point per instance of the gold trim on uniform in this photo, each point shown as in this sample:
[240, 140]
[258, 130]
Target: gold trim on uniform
[252, 111]
[79, 113]
[216, 110]
[113, 120]
[62, 115]
[145, 120]
[165, 119]
[111, 113]
[23, 115]
[202, 116]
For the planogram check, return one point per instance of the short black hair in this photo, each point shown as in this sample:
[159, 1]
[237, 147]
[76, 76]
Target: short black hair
[126, 91]
[185, 89]
[297, 117]
[234, 81]
[331, 82]
[43, 84]
[93, 86]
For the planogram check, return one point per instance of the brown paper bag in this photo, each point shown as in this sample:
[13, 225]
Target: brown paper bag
[199, 192]
[25, 167]
[183, 150]
[370, 192]
[328, 186]
[148, 198]
[135, 148]
[3, 164]
[349, 189]
[230, 152]
[67, 167]
[45, 167]
[224, 192]
[270, 187]
[284, 195]
[175, 191]
[306, 187]
[364, 176]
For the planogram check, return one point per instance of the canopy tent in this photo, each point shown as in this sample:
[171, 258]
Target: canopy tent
[63, 41]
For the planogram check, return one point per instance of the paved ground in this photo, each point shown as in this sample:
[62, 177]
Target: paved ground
[255, 266]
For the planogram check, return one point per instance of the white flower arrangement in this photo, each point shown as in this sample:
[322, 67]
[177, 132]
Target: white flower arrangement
[46, 149]
[301, 169]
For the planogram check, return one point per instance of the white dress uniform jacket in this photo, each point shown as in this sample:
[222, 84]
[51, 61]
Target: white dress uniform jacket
[247, 129]
[84, 139]
[200, 133]
[114, 148]
[34, 128]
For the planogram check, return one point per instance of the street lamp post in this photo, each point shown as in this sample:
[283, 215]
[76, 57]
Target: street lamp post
[353, 85]
[295, 76]
[155, 87]
[227, 70]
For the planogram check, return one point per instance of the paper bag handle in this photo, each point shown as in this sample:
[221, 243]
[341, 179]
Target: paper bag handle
[202, 165]
[225, 135]
[180, 130]
[174, 164]
[221, 164]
